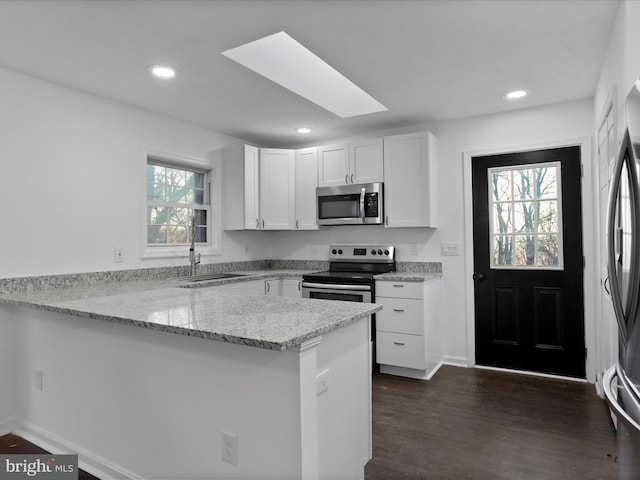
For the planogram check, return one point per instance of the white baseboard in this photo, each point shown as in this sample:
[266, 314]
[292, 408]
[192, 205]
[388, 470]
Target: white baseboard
[455, 361]
[88, 461]
[409, 372]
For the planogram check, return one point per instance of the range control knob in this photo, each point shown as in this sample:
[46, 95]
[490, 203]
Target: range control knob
[386, 252]
[340, 252]
[373, 252]
[379, 252]
[334, 251]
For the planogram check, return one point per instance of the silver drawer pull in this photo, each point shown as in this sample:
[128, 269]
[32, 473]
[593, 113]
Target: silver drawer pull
[398, 286]
[400, 344]
[399, 310]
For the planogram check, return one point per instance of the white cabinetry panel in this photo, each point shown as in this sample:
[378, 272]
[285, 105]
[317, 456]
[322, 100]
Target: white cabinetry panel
[277, 189]
[306, 181]
[410, 180]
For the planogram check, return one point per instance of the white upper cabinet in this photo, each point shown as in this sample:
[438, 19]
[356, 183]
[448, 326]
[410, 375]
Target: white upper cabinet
[240, 187]
[357, 162]
[366, 161]
[277, 189]
[333, 165]
[410, 188]
[306, 181]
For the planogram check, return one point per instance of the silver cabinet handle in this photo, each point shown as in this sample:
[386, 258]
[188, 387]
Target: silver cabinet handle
[400, 344]
[346, 178]
[386, 220]
[352, 178]
[398, 286]
[297, 223]
[263, 224]
[399, 310]
[268, 285]
[299, 285]
[257, 223]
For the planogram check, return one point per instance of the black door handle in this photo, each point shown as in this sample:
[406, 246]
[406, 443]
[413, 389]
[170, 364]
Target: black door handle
[478, 276]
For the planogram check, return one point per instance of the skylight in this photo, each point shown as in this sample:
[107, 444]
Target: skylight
[286, 62]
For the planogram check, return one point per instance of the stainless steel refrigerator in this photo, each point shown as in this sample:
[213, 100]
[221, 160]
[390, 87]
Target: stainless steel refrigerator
[622, 380]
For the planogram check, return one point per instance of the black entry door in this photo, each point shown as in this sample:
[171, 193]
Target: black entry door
[528, 261]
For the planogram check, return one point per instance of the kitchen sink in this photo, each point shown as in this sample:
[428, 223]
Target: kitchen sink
[210, 276]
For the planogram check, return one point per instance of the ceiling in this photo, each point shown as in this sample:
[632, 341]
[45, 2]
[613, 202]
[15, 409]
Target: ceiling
[425, 60]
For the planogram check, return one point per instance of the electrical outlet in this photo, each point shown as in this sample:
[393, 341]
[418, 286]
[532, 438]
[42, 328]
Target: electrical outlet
[118, 254]
[38, 379]
[322, 381]
[230, 448]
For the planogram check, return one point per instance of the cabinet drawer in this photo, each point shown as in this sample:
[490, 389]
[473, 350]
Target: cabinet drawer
[400, 315]
[400, 350]
[399, 289]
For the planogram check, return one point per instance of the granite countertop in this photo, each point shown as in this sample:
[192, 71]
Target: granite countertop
[275, 323]
[407, 276]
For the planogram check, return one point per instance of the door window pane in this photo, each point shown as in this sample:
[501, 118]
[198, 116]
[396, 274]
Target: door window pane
[526, 223]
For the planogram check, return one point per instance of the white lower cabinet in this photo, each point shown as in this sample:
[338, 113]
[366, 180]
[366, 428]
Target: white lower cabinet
[284, 287]
[407, 327]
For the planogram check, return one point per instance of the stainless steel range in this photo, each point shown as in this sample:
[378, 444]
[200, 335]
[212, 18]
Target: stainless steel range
[350, 276]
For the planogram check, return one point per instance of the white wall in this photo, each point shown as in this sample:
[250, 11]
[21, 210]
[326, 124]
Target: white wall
[70, 187]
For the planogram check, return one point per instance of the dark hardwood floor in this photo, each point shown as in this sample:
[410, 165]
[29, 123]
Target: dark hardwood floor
[478, 424]
[13, 444]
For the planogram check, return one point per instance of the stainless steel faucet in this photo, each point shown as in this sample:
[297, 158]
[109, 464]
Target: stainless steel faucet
[193, 258]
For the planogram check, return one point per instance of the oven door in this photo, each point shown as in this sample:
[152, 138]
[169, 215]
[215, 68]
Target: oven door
[347, 293]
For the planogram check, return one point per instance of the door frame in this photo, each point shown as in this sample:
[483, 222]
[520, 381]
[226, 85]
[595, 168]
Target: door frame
[590, 242]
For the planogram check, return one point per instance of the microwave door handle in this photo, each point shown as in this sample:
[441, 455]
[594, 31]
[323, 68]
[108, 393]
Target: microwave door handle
[362, 194]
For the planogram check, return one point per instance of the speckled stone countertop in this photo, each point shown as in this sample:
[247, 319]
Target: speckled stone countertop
[154, 299]
[407, 276]
[275, 323]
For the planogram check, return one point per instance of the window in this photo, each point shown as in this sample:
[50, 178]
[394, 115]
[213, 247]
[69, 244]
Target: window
[526, 226]
[179, 207]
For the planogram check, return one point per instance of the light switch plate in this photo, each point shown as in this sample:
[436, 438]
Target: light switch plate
[450, 249]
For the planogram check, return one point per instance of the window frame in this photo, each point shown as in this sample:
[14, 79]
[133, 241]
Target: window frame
[559, 233]
[212, 171]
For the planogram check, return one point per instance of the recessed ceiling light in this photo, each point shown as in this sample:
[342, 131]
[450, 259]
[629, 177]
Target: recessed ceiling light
[303, 130]
[515, 94]
[286, 62]
[162, 71]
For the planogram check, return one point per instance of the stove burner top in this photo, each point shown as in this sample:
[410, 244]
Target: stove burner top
[355, 264]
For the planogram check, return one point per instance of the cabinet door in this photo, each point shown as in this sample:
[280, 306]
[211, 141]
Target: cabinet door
[333, 165]
[277, 189]
[306, 174]
[251, 188]
[366, 161]
[410, 180]
[291, 288]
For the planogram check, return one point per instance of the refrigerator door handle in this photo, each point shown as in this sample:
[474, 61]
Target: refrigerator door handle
[625, 314]
[609, 376]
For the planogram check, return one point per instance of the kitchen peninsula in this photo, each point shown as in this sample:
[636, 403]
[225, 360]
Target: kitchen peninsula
[144, 379]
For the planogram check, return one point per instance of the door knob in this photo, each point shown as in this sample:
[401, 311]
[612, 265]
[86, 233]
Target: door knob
[479, 276]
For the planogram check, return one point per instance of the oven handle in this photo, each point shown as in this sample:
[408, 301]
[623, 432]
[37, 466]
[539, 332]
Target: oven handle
[331, 286]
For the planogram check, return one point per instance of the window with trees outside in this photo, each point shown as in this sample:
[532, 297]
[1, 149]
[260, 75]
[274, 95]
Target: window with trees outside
[178, 204]
[526, 216]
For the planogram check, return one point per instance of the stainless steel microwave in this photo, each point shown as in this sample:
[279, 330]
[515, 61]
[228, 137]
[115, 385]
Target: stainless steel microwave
[355, 204]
